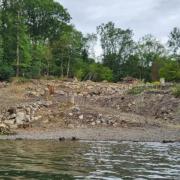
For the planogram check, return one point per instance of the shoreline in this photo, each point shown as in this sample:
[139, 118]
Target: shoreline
[100, 134]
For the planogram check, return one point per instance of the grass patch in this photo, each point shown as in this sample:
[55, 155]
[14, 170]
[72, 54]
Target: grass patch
[176, 91]
[137, 90]
[19, 80]
[145, 87]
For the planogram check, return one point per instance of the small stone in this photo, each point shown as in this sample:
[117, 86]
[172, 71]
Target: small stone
[71, 126]
[28, 118]
[93, 123]
[115, 124]
[9, 122]
[70, 114]
[47, 103]
[46, 121]
[37, 118]
[60, 92]
[28, 111]
[76, 109]
[133, 103]
[13, 116]
[11, 111]
[98, 122]
[81, 117]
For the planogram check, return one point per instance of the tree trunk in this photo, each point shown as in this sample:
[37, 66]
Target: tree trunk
[62, 71]
[68, 67]
[48, 68]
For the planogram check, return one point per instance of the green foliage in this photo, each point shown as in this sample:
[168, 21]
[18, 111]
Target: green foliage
[6, 72]
[37, 40]
[174, 40]
[117, 45]
[80, 69]
[98, 72]
[19, 80]
[170, 71]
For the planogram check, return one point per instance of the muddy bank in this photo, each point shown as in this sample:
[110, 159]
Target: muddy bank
[104, 134]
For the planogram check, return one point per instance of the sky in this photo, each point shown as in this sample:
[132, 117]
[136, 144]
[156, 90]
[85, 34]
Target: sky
[156, 17]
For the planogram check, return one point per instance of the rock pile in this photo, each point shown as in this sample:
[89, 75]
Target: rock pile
[23, 115]
[3, 84]
[162, 106]
[77, 117]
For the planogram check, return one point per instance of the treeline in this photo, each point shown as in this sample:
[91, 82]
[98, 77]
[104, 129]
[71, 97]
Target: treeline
[37, 39]
[146, 59]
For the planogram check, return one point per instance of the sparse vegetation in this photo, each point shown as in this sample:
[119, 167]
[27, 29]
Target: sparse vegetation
[176, 91]
[137, 90]
[144, 87]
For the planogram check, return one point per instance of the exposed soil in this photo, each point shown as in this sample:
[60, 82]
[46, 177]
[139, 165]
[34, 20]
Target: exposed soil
[88, 110]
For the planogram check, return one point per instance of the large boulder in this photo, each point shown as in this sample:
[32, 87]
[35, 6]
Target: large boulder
[20, 118]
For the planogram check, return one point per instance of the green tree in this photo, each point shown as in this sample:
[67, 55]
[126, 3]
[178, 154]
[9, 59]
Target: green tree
[149, 50]
[45, 19]
[170, 70]
[174, 44]
[117, 45]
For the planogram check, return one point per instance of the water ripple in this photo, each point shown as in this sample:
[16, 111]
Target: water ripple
[89, 160]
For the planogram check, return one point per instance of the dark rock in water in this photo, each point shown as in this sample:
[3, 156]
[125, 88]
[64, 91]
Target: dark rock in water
[61, 139]
[18, 139]
[74, 139]
[168, 141]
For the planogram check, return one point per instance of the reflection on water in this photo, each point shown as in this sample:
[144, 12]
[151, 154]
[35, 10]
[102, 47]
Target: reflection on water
[88, 160]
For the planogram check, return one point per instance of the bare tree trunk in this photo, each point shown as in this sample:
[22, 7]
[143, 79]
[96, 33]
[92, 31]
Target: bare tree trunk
[48, 68]
[68, 67]
[62, 70]
[68, 64]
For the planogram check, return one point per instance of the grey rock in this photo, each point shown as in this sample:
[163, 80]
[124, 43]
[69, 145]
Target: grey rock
[20, 118]
[47, 103]
[93, 123]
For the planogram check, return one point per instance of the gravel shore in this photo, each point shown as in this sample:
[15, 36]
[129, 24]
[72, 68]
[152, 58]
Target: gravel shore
[104, 134]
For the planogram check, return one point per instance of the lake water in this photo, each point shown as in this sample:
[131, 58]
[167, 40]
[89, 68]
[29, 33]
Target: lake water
[88, 160]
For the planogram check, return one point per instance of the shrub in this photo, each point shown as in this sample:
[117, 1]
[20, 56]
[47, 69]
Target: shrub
[176, 91]
[6, 72]
[170, 71]
[100, 72]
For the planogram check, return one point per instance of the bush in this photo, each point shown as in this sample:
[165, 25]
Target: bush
[176, 91]
[6, 72]
[80, 69]
[100, 72]
[170, 71]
